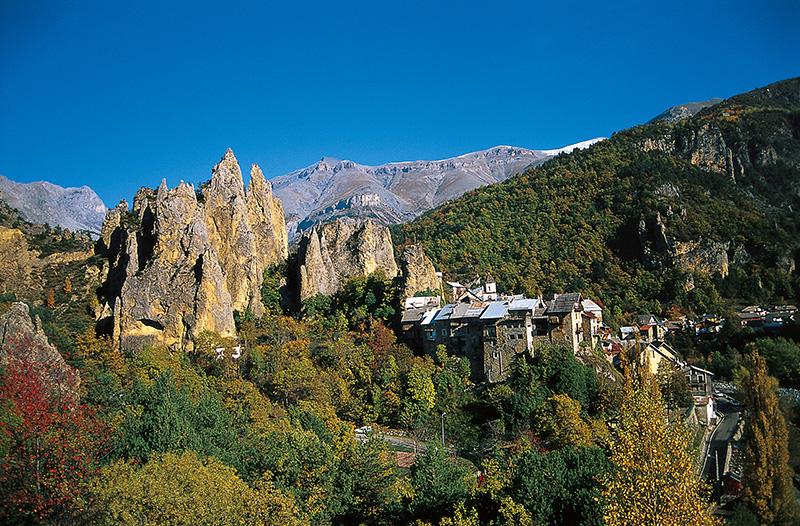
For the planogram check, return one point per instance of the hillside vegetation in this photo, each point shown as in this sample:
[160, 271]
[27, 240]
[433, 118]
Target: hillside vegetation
[683, 213]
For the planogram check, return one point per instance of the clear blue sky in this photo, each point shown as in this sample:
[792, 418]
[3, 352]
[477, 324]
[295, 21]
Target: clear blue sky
[117, 95]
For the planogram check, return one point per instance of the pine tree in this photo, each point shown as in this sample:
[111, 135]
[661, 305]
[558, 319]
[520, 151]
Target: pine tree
[767, 477]
[68, 286]
[653, 479]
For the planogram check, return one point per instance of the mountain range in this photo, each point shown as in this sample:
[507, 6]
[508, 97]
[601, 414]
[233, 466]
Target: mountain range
[41, 202]
[391, 193]
[396, 192]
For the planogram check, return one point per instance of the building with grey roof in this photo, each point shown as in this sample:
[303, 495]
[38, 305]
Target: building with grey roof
[492, 330]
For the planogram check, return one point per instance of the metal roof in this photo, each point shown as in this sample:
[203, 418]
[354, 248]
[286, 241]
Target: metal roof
[468, 310]
[495, 310]
[445, 312]
[411, 315]
[591, 306]
[429, 316]
[523, 304]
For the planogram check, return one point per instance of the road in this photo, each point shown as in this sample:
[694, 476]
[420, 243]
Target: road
[718, 445]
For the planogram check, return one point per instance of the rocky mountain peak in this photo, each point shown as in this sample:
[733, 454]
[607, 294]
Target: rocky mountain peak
[226, 177]
[187, 265]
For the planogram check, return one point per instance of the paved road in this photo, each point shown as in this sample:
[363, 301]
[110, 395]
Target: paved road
[717, 449]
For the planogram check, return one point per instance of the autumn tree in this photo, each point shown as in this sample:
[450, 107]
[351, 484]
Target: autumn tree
[767, 475]
[565, 426]
[51, 299]
[49, 449]
[674, 385]
[652, 480]
[186, 489]
[67, 286]
[420, 395]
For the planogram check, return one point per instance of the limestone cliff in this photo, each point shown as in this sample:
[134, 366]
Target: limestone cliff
[179, 265]
[22, 340]
[418, 272]
[16, 260]
[703, 257]
[330, 254]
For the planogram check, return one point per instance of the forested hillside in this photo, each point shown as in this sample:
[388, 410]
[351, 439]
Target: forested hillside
[684, 213]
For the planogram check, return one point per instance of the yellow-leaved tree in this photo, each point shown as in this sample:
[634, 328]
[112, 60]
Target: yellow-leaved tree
[186, 489]
[768, 489]
[653, 480]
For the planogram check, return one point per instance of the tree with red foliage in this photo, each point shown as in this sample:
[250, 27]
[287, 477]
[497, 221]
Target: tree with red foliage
[48, 448]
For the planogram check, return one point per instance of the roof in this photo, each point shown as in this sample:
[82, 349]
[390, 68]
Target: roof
[591, 306]
[456, 284]
[468, 310]
[565, 302]
[429, 316]
[445, 312]
[695, 368]
[413, 315]
[495, 310]
[646, 319]
[752, 308]
[628, 331]
[523, 304]
[415, 302]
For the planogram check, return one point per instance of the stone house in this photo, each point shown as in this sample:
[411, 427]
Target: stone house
[565, 319]
[415, 309]
[491, 330]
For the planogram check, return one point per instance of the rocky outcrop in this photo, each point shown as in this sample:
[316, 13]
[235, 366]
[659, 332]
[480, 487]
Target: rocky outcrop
[23, 342]
[684, 111]
[702, 258]
[16, 261]
[704, 146]
[418, 272]
[179, 265]
[246, 228]
[332, 253]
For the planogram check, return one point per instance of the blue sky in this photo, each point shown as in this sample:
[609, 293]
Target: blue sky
[118, 95]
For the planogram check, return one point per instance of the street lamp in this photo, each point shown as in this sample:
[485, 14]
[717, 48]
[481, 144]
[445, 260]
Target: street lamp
[443, 413]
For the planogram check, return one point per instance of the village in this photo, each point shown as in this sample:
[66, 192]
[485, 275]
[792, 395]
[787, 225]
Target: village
[492, 329]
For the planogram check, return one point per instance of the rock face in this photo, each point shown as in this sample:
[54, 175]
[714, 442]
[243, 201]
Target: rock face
[22, 340]
[703, 257]
[418, 272]
[178, 266]
[246, 228]
[396, 192]
[16, 260]
[42, 202]
[332, 253]
[721, 138]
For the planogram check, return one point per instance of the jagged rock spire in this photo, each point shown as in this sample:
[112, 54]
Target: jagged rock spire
[189, 263]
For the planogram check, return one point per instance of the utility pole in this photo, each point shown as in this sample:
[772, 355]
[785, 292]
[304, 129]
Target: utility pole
[443, 413]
